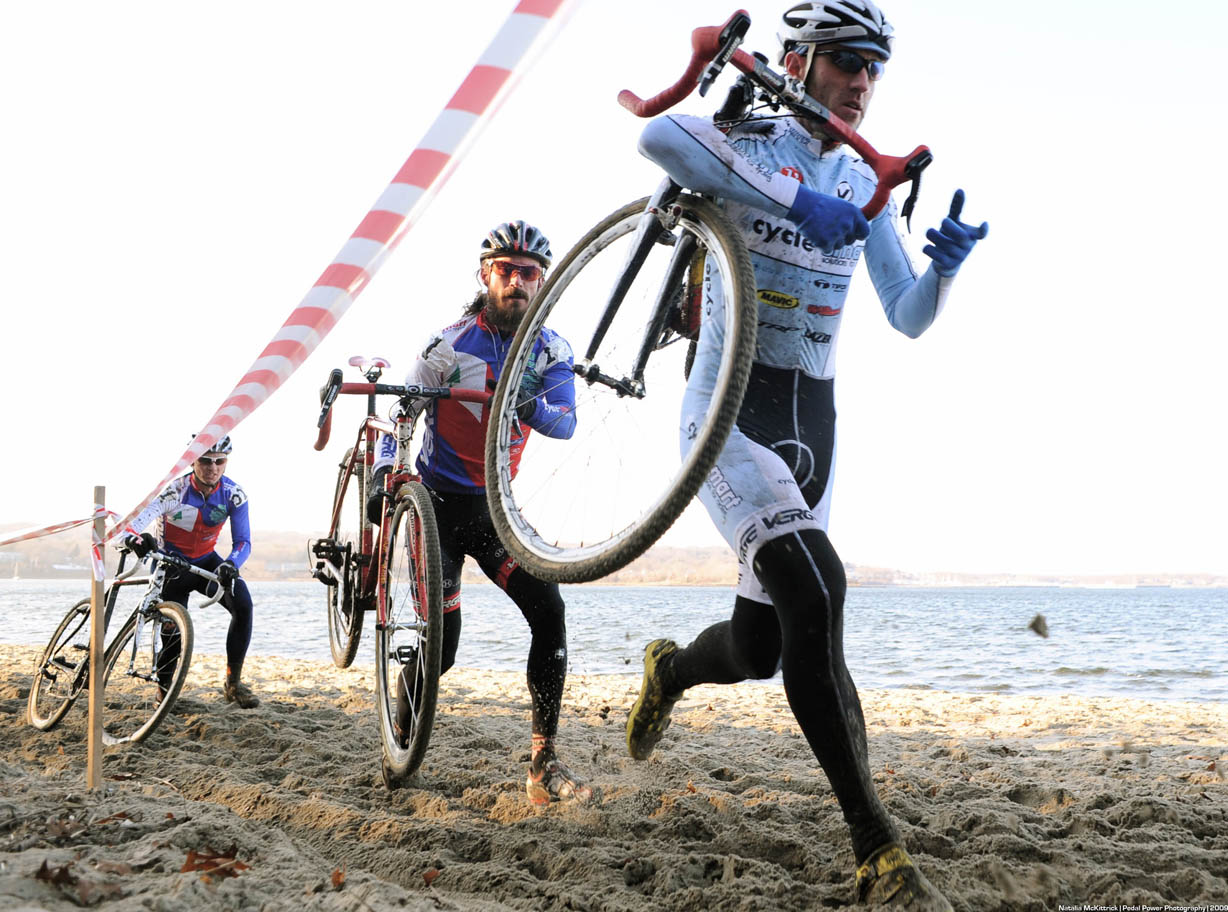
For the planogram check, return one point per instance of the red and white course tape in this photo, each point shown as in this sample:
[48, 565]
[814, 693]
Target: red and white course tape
[96, 562]
[415, 184]
[28, 534]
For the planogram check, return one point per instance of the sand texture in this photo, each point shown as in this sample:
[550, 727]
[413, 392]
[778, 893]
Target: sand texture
[1007, 802]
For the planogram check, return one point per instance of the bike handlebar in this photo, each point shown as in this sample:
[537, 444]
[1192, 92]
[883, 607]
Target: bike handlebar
[714, 45]
[178, 563]
[335, 387]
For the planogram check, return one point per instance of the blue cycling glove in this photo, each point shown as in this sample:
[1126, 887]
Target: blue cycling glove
[827, 221]
[951, 244]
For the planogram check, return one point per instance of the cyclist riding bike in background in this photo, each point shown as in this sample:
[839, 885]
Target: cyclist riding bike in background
[470, 354]
[192, 510]
[795, 195]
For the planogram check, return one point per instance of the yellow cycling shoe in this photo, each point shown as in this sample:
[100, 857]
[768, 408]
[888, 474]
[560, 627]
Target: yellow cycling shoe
[649, 716]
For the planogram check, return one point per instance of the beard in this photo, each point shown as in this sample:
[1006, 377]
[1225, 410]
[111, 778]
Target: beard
[505, 314]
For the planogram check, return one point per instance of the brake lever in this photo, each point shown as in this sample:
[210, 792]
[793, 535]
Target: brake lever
[917, 164]
[730, 39]
[328, 395]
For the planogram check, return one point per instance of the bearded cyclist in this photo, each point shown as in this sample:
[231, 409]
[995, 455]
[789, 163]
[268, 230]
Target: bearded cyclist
[192, 510]
[470, 354]
[795, 195]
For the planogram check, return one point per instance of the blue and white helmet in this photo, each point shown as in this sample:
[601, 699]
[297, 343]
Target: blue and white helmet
[857, 24]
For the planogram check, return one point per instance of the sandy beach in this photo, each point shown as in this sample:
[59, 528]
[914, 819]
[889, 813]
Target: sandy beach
[1020, 803]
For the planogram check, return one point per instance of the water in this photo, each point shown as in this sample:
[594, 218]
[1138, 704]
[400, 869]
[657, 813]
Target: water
[1141, 643]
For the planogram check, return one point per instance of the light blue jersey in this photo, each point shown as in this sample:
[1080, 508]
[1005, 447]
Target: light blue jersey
[756, 170]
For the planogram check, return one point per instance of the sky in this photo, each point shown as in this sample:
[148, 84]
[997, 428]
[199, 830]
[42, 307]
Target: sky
[175, 177]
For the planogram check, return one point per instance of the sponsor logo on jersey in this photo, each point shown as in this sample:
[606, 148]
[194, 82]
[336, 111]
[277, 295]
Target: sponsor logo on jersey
[184, 518]
[777, 299]
[724, 493]
[792, 172]
[779, 327]
[784, 517]
[821, 338]
[823, 310]
[830, 286]
[844, 190]
[780, 234]
[843, 258]
[217, 513]
[745, 540]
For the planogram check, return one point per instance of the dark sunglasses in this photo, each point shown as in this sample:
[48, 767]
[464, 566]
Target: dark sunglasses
[853, 63]
[506, 270]
[206, 461]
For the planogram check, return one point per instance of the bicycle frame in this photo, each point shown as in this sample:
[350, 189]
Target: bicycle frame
[659, 216]
[79, 671]
[162, 562]
[372, 572]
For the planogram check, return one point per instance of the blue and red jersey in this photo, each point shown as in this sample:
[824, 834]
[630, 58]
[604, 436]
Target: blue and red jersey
[470, 354]
[190, 521]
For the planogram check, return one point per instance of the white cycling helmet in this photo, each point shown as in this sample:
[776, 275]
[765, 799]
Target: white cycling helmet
[857, 24]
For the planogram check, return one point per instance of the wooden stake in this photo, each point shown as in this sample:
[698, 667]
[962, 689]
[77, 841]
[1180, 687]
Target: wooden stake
[93, 765]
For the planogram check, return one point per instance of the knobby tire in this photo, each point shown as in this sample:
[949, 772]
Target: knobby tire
[414, 586]
[133, 707]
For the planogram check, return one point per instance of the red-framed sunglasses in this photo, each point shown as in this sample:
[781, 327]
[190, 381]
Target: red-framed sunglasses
[506, 270]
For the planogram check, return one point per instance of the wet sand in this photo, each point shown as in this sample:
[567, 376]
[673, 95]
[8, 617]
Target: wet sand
[1007, 802]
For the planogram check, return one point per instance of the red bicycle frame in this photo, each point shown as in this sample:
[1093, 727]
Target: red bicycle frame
[372, 579]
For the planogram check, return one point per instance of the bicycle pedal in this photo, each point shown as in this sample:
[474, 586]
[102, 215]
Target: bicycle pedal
[325, 548]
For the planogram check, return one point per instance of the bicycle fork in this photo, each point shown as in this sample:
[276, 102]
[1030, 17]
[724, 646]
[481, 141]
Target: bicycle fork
[655, 227]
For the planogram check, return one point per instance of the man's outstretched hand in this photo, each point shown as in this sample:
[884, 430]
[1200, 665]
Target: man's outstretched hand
[950, 244]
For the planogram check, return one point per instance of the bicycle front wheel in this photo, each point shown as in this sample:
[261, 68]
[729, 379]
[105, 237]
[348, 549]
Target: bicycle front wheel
[581, 508]
[409, 642]
[145, 669]
[345, 607]
[62, 671]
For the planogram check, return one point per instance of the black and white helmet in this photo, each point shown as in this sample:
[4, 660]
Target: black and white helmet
[857, 24]
[516, 237]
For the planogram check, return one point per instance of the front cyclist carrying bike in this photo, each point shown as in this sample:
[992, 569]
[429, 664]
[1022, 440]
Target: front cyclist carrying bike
[470, 354]
[192, 510]
[796, 196]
